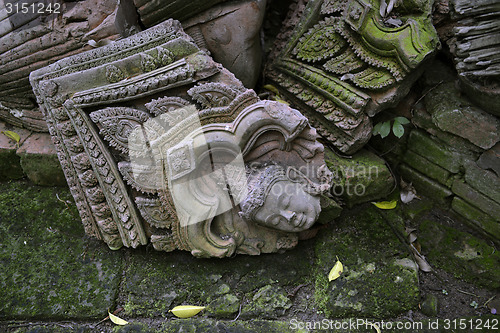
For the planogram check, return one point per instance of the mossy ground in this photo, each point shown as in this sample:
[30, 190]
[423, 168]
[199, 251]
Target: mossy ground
[55, 279]
[379, 278]
[49, 270]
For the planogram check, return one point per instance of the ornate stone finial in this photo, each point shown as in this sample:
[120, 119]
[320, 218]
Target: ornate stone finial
[343, 61]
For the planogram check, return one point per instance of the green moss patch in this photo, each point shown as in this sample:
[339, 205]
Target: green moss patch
[461, 254]
[379, 279]
[155, 282]
[48, 269]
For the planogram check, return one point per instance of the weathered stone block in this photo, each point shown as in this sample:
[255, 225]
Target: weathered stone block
[362, 178]
[426, 167]
[477, 219]
[475, 35]
[482, 180]
[377, 281]
[426, 186]
[436, 152]
[454, 114]
[38, 38]
[490, 159]
[476, 199]
[49, 270]
[39, 161]
[10, 164]
[461, 254]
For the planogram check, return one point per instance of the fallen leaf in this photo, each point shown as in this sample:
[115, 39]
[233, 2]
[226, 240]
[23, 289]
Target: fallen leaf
[272, 88]
[186, 311]
[335, 272]
[411, 233]
[12, 135]
[386, 204]
[117, 320]
[420, 259]
[375, 327]
[278, 99]
[408, 192]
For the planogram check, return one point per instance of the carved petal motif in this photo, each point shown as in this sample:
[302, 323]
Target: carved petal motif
[373, 78]
[166, 104]
[117, 123]
[163, 243]
[145, 178]
[344, 63]
[154, 213]
[320, 42]
[213, 95]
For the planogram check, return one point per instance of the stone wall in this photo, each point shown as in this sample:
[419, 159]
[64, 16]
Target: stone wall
[451, 151]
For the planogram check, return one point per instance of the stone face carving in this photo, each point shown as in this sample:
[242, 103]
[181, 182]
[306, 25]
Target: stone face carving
[159, 143]
[344, 61]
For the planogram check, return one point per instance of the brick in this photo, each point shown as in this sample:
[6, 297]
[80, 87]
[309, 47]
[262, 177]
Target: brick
[359, 179]
[426, 186]
[454, 114]
[10, 163]
[39, 161]
[426, 167]
[477, 219]
[473, 197]
[436, 152]
[482, 180]
[490, 159]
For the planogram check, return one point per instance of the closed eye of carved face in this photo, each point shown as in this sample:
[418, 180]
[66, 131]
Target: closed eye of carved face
[288, 207]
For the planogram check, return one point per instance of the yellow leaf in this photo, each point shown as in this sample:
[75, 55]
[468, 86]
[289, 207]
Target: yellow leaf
[272, 88]
[278, 99]
[117, 320]
[386, 204]
[336, 271]
[12, 135]
[375, 327]
[186, 311]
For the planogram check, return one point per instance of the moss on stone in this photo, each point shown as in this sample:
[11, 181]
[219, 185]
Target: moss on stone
[362, 178]
[377, 281]
[49, 270]
[195, 325]
[461, 254]
[270, 301]
[155, 282]
[224, 306]
[10, 165]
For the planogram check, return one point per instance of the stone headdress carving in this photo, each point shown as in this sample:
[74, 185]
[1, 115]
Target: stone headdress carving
[154, 137]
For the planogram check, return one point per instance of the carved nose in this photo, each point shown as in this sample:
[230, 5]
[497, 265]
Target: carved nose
[288, 215]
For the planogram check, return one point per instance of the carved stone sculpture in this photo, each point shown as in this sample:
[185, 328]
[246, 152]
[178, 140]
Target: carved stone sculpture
[159, 143]
[342, 61]
[476, 48]
[29, 41]
[44, 32]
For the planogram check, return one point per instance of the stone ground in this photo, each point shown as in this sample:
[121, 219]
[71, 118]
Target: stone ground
[55, 279]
